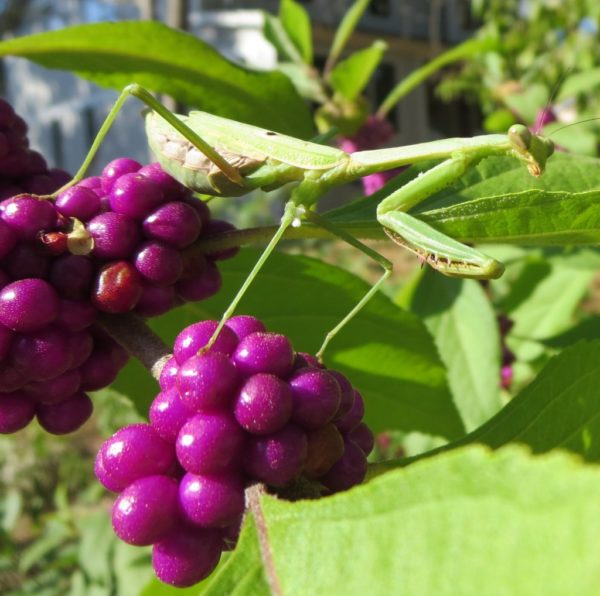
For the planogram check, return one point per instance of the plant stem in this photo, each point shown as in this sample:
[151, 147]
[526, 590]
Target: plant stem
[131, 332]
[263, 235]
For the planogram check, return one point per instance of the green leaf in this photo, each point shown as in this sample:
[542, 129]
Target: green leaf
[345, 29]
[461, 319]
[351, 76]
[242, 574]
[559, 409]
[547, 308]
[467, 522]
[527, 103]
[296, 22]
[275, 33]
[499, 202]
[168, 61]
[386, 352]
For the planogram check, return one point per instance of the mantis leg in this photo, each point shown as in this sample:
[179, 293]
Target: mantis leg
[443, 253]
[290, 213]
[175, 122]
[387, 267]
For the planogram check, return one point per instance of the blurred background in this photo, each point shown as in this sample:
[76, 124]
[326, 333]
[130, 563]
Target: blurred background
[64, 113]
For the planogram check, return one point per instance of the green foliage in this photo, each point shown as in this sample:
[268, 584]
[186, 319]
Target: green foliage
[168, 61]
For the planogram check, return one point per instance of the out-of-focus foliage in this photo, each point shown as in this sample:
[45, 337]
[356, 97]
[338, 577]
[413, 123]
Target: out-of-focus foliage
[548, 57]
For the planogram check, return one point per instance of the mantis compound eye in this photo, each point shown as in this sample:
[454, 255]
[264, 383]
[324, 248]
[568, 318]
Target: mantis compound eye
[520, 137]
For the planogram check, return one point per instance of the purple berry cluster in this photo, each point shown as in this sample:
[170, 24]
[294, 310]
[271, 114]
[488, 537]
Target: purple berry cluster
[140, 220]
[249, 409]
[21, 169]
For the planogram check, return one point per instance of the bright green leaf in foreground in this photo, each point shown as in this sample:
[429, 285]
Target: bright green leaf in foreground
[469, 522]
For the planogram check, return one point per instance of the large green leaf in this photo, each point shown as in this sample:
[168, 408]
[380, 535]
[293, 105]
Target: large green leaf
[386, 352]
[461, 319]
[497, 201]
[467, 522]
[168, 61]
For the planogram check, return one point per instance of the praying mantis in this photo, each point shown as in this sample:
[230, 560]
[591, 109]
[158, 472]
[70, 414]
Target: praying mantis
[222, 157]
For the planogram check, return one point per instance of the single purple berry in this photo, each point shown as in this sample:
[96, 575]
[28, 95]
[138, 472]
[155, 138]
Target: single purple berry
[26, 261]
[27, 216]
[72, 276]
[201, 286]
[67, 416]
[16, 411]
[348, 471]
[79, 202]
[243, 325]
[133, 452]
[115, 235]
[98, 370]
[168, 374]
[118, 288]
[325, 447]
[362, 436]
[263, 404]
[347, 394]
[28, 305]
[135, 196]
[42, 354]
[117, 168]
[6, 337]
[147, 510]
[93, 183]
[207, 382]
[8, 239]
[171, 189]
[316, 397]
[188, 555]
[75, 315]
[194, 337]
[277, 459]
[354, 417]
[174, 223]
[209, 443]
[57, 389]
[11, 378]
[81, 345]
[264, 353]
[212, 501]
[168, 414]
[158, 263]
[155, 300]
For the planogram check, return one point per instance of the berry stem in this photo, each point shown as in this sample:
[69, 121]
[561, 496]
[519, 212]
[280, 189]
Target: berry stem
[262, 235]
[253, 496]
[138, 339]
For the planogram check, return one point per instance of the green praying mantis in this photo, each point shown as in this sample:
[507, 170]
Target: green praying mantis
[221, 157]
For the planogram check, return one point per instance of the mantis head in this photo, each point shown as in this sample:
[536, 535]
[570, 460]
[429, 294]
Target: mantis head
[530, 148]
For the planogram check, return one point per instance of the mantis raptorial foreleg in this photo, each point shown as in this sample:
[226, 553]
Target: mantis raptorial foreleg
[442, 252]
